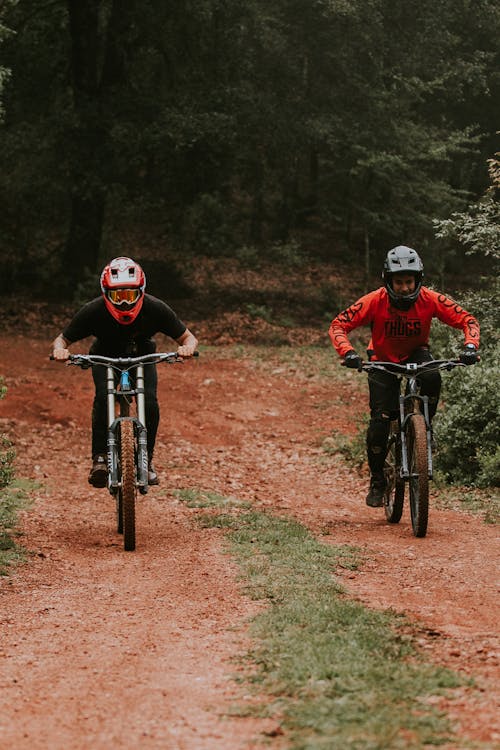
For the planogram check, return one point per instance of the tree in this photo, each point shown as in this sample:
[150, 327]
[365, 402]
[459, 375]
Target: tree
[477, 230]
[4, 72]
[221, 123]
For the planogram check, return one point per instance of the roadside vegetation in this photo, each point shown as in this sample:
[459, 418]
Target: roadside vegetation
[333, 673]
[13, 497]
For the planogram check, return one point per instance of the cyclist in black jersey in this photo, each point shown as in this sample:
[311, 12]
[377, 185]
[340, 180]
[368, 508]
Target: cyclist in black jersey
[123, 321]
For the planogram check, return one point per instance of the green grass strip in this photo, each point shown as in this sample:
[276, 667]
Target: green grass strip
[335, 674]
[13, 498]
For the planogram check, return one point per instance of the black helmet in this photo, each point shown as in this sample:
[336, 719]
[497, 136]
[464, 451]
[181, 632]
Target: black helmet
[403, 259]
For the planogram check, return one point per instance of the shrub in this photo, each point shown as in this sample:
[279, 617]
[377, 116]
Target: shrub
[468, 426]
[7, 454]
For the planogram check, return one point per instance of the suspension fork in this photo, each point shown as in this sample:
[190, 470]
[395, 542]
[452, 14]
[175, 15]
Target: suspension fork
[111, 440]
[404, 446]
[421, 405]
[142, 436]
[425, 404]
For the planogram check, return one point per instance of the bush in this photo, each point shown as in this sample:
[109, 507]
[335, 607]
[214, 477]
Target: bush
[468, 427]
[7, 454]
[207, 226]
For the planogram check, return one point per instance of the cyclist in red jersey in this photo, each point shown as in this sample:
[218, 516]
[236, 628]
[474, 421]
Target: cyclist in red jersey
[123, 321]
[400, 315]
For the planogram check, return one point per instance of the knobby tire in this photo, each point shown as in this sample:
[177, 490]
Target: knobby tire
[419, 477]
[124, 412]
[119, 512]
[128, 486]
[395, 492]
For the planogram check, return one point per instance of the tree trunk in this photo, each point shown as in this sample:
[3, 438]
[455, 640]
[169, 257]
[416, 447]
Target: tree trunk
[88, 195]
[84, 238]
[257, 202]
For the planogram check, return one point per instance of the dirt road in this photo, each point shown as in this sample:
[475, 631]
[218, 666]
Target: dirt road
[101, 648]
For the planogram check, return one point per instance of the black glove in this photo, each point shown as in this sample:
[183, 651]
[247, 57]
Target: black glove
[470, 355]
[351, 359]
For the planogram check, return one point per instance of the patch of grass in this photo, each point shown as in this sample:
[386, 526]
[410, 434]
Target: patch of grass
[195, 498]
[303, 363]
[478, 502]
[335, 674]
[14, 498]
[351, 447]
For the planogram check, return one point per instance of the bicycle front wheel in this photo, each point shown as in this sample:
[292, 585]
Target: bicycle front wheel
[128, 489]
[395, 491]
[419, 476]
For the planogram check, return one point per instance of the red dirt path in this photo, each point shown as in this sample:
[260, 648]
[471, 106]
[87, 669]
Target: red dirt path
[106, 649]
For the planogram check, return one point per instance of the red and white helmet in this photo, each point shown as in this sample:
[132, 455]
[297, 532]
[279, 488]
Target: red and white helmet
[122, 285]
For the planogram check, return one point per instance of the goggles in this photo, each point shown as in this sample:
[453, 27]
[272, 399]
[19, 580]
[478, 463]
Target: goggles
[120, 296]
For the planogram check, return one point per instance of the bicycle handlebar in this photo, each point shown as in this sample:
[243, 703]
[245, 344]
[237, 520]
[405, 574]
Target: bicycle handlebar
[411, 368]
[87, 360]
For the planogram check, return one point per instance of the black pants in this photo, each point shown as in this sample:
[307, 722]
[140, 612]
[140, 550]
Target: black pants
[384, 406]
[100, 409]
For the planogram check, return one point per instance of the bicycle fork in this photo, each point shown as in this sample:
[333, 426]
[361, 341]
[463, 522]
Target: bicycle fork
[139, 428]
[424, 401]
[142, 442]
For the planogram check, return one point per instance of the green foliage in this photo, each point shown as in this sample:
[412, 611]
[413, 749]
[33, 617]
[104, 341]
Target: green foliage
[240, 124]
[468, 427]
[477, 229]
[7, 453]
[4, 34]
[259, 311]
[206, 226]
[14, 498]
[195, 498]
[289, 254]
[351, 447]
[86, 289]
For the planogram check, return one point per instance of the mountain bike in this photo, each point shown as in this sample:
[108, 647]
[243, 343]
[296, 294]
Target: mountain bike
[409, 452]
[127, 449]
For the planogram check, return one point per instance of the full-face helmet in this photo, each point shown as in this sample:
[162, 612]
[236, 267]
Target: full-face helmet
[122, 285]
[403, 260]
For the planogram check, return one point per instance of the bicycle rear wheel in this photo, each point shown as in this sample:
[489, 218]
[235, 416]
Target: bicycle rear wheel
[419, 477]
[128, 489]
[395, 492]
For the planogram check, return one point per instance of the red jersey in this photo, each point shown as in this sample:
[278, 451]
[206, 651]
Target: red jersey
[397, 333]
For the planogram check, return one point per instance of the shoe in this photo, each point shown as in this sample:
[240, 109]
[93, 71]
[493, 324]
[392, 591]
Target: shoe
[98, 476]
[375, 497]
[152, 475]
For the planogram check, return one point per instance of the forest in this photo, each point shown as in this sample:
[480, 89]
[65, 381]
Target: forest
[311, 136]
[258, 158]
[347, 126]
